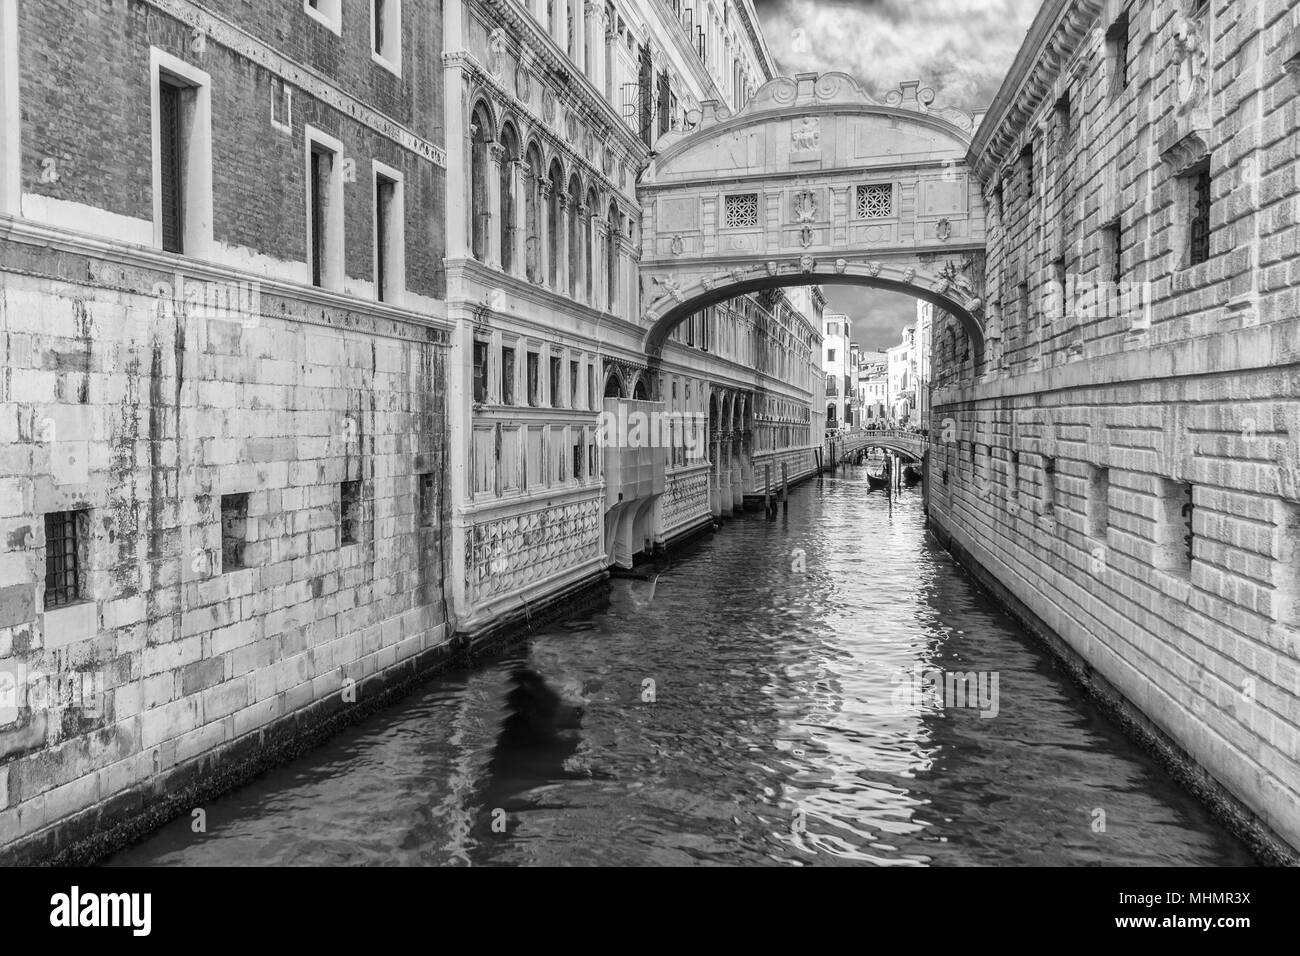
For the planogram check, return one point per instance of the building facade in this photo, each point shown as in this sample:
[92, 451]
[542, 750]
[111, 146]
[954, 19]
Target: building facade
[222, 315]
[1119, 460]
[837, 366]
[552, 110]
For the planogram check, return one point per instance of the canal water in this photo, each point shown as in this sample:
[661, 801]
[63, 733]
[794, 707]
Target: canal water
[769, 698]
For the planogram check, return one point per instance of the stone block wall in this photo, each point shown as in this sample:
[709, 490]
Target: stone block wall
[1123, 457]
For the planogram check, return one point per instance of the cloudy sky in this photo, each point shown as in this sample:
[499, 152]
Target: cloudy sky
[959, 48]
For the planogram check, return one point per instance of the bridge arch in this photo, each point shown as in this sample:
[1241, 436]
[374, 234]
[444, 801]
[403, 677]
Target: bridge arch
[814, 181]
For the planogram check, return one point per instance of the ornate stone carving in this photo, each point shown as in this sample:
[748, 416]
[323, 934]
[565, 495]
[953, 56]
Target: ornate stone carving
[807, 263]
[678, 245]
[548, 105]
[909, 274]
[523, 84]
[772, 268]
[606, 161]
[805, 206]
[806, 236]
[672, 287]
[841, 265]
[943, 229]
[738, 275]
[806, 135]
[873, 268]
[497, 51]
[1191, 53]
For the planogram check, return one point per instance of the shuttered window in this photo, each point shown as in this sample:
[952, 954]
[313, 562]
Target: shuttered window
[172, 156]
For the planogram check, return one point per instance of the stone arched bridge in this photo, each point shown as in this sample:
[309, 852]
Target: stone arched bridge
[905, 444]
[814, 180]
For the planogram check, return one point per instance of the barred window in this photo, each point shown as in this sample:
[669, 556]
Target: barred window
[62, 559]
[1200, 207]
[234, 531]
[350, 508]
[742, 210]
[876, 201]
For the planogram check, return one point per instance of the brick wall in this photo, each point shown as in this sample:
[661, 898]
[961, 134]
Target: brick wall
[142, 413]
[1070, 449]
[85, 84]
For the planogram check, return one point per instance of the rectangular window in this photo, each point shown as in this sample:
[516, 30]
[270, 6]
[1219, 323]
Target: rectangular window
[575, 381]
[507, 375]
[182, 155]
[480, 372]
[328, 12]
[1117, 53]
[534, 376]
[350, 512]
[390, 233]
[62, 559]
[577, 461]
[234, 531]
[1049, 485]
[428, 516]
[325, 209]
[386, 34]
[1027, 168]
[1098, 503]
[1013, 478]
[741, 211]
[1064, 125]
[1112, 239]
[555, 368]
[172, 159]
[1199, 185]
[875, 201]
[830, 355]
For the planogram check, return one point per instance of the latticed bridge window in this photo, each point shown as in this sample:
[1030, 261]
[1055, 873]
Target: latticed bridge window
[742, 210]
[875, 201]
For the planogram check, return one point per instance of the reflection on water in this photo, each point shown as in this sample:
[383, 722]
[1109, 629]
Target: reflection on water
[752, 705]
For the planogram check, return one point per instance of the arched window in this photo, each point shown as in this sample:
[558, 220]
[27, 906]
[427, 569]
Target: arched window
[613, 387]
[533, 215]
[480, 205]
[588, 239]
[509, 156]
[575, 237]
[641, 393]
[553, 222]
[611, 255]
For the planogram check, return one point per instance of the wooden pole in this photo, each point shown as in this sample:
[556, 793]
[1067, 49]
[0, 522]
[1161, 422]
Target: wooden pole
[785, 488]
[767, 491]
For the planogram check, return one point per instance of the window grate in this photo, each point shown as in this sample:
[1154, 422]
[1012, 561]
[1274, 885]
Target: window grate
[742, 210]
[350, 502]
[234, 531]
[875, 201]
[173, 203]
[1200, 251]
[62, 561]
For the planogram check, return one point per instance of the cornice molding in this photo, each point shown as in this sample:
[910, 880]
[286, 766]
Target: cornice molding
[543, 48]
[1057, 32]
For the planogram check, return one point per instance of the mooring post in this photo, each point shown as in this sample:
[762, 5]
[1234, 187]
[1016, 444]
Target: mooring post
[785, 488]
[767, 490]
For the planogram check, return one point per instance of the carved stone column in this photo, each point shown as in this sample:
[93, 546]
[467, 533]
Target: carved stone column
[496, 153]
[522, 179]
[544, 243]
[596, 44]
[561, 250]
[582, 281]
[579, 34]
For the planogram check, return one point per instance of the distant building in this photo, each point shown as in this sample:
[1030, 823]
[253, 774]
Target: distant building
[837, 330]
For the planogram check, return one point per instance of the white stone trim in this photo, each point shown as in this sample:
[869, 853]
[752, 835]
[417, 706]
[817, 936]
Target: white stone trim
[392, 34]
[11, 177]
[198, 152]
[396, 239]
[329, 14]
[333, 264]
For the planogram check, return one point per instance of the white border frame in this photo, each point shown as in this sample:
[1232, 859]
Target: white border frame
[11, 177]
[198, 153]
[333, 263]
[397, 225]
[331, 19]
[393, 29]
